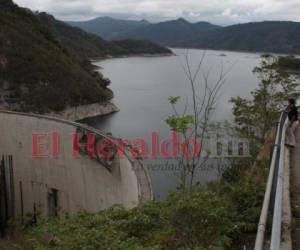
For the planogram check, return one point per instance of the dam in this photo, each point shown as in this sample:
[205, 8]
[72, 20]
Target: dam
[59, 183]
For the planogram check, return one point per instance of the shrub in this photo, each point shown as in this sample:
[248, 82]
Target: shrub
[214, 217]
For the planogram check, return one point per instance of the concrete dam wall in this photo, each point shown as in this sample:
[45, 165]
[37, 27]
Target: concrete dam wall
[59, 183]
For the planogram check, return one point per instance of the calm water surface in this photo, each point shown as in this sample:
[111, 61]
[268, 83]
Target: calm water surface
[142, 87]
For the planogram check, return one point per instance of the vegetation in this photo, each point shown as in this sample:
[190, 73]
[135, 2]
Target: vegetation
[43, 62]
[37, 73]
[213, 217]
[43, 75]
[255, 117]
[193, 123]
[289, 63]
[221, 215]
[268, 36]
[170, 33]
[141, 47]
[77, 41]
[83, 44]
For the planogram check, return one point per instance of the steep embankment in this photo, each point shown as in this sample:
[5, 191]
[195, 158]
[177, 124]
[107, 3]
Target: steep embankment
[37, 73]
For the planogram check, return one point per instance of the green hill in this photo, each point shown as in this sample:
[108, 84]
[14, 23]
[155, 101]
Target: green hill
[37, 73]
[43, 62]
[77, 41]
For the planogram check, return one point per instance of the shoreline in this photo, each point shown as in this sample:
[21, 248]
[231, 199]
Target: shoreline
[85, 111]
[236, 51]
[96, 59]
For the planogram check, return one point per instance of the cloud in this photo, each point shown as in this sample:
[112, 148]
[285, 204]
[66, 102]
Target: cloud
[228, 13]
[222, 12]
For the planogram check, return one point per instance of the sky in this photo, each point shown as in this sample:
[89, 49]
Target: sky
[222, 12]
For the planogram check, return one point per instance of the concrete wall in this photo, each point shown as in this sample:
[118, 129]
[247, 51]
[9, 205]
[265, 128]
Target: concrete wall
[81, 183]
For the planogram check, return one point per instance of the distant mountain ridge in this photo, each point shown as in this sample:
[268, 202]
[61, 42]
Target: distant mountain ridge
[267, 36]
[109, 28]
[84, 44]
[170, 33]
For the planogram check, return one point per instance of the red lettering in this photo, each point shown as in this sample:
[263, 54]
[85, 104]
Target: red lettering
[89, 145]
[39, 149]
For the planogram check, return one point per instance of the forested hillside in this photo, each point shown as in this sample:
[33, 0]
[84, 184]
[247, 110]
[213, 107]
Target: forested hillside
[268, 36]
[43, 62]
[170, 33]
[37, 73]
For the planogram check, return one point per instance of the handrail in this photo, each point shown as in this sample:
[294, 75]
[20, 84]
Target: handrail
[277, 217]
[266, 203]
[274, 184]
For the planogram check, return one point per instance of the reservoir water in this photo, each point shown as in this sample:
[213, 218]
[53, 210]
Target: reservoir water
[142, 86]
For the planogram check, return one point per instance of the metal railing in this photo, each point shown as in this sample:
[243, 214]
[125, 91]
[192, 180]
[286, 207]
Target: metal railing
[272, 204]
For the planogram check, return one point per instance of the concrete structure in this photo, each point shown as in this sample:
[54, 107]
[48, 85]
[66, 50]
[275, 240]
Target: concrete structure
[53, 185]
[225, 143]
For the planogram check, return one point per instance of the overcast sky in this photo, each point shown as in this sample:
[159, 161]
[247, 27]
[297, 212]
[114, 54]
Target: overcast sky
[221, 12]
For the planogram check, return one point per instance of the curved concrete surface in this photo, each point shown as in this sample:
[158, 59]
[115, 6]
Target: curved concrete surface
[63, 184]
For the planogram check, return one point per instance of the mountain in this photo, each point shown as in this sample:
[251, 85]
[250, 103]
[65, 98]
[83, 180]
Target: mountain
[170, 33]
[77, 41]
[268, 36]
[108, 27]
[90, 45]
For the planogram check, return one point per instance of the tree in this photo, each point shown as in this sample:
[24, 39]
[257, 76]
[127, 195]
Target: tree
[256, 116]
[193, 123]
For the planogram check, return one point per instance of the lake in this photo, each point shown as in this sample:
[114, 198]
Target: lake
[142, 86]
